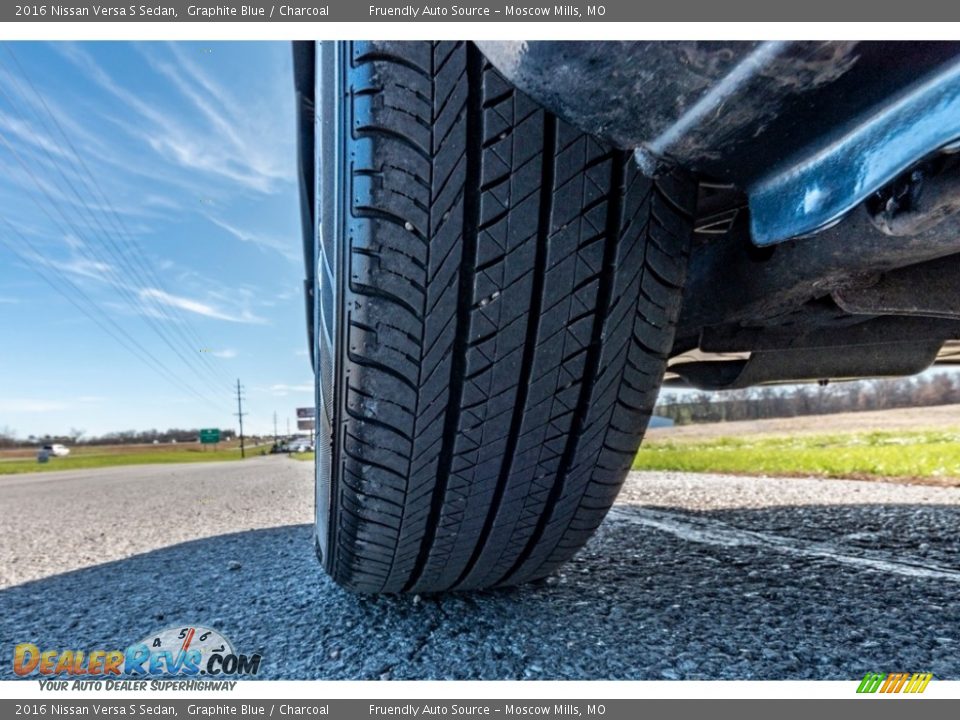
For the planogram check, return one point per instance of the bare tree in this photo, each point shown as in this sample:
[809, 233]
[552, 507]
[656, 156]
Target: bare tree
[789, 401]
[8, 437]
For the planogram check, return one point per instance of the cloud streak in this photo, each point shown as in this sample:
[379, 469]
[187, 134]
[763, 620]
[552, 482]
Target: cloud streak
[31, 405]
[263, 242]
[282, 389]
[198, 307]
[228, 138]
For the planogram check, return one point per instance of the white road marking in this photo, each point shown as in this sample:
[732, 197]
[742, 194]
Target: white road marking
[713, 532]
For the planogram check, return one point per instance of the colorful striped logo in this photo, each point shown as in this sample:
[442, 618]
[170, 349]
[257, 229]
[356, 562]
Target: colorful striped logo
[894, 682]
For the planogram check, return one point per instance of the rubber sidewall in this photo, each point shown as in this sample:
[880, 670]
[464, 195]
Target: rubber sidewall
[328, 308]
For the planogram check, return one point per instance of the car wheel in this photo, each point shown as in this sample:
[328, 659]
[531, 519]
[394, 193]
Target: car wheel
[497, 294]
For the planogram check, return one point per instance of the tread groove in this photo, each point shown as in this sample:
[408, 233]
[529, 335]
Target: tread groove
[591, 367]
[471, 221]
[545, 214]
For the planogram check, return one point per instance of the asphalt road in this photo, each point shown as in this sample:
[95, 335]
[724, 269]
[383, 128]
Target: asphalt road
[692, 577]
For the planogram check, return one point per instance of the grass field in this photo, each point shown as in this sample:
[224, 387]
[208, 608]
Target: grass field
[915, 444]
[929, 454]
[21, 461]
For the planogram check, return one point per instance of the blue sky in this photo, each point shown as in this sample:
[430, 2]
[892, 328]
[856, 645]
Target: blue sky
[158, 181]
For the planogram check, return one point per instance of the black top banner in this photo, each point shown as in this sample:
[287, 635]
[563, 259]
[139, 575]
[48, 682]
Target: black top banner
[476, 11]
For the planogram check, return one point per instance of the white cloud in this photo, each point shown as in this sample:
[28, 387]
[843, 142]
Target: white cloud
[73, 242]
[226, 354]
[249, 127]
[43, 128]
[30, 405]
[281, 389]
[162, 202]
[265, 242]
[30, 134]
[86, 268]
[198, 307]
[222, 137]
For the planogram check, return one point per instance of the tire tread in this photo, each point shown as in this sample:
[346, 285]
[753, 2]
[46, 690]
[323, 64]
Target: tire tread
[511, 289]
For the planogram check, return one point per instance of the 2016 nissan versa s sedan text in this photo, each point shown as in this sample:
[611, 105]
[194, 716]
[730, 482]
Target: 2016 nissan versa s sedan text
[510, 246]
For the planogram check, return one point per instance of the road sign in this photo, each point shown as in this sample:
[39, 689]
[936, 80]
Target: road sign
[306, 413]
[305, 425]
[210, 435]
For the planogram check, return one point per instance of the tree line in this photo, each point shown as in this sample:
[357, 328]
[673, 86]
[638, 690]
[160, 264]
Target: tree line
[77, 436]
[756, 403]
[763, 402]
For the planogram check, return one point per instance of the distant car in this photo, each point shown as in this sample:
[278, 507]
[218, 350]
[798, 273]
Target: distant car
[658, 421]
[298, 445]
[57, 450]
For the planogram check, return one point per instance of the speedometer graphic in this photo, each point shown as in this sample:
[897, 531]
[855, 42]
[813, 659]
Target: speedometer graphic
[185, 649]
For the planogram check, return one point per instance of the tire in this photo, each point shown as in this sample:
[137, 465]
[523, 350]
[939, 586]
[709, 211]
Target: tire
[496, 302]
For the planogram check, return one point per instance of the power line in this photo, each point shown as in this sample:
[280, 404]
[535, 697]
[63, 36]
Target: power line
[91, 253]
[123, 255]
[116, 332]
[90, 250]
[118, 221]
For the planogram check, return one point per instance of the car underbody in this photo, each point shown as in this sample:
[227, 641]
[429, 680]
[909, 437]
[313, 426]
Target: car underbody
[826, 239]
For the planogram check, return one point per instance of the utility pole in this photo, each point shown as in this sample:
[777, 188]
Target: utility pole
[275, 427]
[240, 413]
[288, 427]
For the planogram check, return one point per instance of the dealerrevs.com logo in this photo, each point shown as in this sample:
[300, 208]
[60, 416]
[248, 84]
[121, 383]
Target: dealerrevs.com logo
[177, 651]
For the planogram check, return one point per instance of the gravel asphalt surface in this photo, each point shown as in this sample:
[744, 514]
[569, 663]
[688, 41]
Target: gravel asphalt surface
[691, 577]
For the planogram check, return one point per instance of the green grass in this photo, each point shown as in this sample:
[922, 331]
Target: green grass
[882, 454]
[927, 454]
[86, 460]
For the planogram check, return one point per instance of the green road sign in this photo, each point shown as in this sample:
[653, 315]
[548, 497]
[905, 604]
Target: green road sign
[210, 435]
